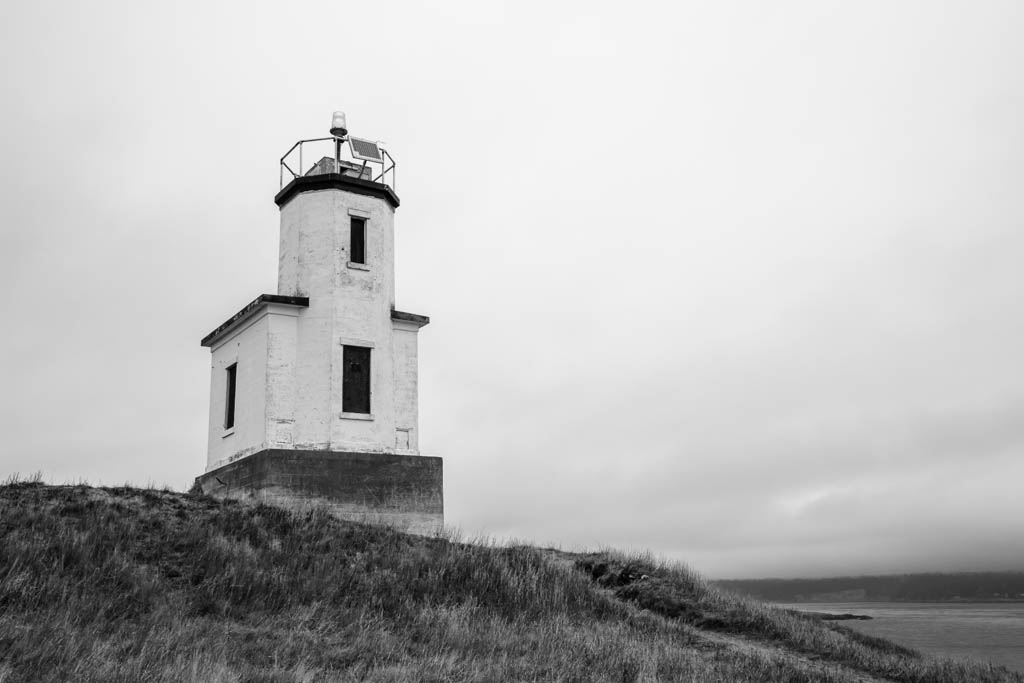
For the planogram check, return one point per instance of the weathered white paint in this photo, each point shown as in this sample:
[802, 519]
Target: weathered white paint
[289, 389]
[263, 346]
[406, 367]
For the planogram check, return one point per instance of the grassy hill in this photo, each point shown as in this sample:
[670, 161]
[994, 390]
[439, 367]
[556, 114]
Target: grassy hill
[123, 584]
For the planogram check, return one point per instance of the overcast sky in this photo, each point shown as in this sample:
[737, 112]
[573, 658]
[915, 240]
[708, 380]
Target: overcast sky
[737, 282]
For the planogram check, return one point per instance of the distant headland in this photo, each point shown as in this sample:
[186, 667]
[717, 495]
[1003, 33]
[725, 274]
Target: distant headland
[960, 587]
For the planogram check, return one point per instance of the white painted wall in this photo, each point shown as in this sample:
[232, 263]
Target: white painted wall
[406, 386]
[348, 305]
[263, 346]
[291, 359]
[282, 390]
[247, 347]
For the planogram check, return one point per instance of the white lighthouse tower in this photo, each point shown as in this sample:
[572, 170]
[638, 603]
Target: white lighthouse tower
[313, 393]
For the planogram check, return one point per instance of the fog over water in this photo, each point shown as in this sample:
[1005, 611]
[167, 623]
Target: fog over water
[736, 282]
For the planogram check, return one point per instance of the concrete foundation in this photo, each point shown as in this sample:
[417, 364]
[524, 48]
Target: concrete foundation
[404, 491]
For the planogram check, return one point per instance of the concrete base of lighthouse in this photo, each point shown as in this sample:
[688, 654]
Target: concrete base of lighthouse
[404, 491]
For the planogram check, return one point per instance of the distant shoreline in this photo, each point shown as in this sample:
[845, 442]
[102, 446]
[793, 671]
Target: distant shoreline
[828, 616]
[988, 587]
[935, 601]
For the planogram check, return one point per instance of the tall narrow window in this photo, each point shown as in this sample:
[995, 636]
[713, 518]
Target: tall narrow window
[229, 399]
[357, 245]
[355, 383]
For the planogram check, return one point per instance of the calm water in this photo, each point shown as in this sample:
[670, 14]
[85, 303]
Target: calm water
[987, 632]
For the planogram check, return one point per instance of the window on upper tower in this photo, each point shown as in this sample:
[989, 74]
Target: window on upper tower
[357, 242]
[355, 383]
[231, 375]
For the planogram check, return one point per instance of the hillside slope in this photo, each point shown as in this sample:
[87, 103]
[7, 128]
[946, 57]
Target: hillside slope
[124, 584]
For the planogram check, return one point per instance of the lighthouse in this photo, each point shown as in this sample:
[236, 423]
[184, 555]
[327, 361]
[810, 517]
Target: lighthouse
[314, 389]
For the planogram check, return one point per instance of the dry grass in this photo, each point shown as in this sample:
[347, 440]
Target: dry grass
[677, 592]
[144, 585]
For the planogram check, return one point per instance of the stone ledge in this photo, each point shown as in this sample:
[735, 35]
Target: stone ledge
[413, 318]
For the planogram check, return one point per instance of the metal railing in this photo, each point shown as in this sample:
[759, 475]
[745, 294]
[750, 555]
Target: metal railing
[339, 160]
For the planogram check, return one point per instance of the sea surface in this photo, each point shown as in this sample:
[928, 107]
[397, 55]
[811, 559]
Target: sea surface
[983, 631]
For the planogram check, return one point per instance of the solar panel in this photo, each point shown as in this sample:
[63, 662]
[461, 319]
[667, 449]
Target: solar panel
[367, 150]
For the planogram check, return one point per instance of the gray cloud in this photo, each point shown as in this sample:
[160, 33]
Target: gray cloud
[738, 283]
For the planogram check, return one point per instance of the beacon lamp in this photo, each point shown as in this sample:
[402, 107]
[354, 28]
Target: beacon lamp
[339, 128]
